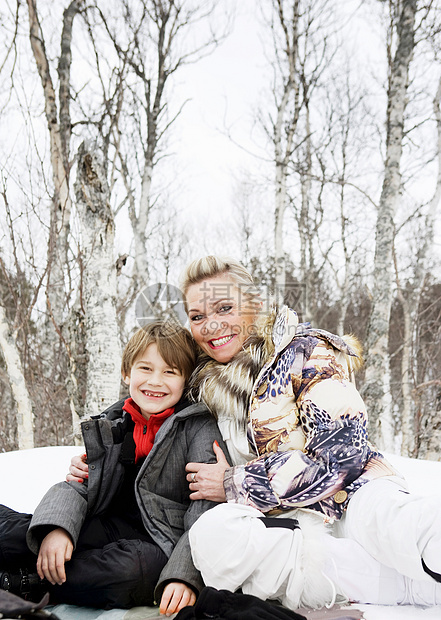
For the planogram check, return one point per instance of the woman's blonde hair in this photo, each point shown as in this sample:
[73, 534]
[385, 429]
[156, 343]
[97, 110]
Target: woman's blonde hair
[213, 266]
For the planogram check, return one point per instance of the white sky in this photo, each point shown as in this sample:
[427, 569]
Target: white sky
[224, 88]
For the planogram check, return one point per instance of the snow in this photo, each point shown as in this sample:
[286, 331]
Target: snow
[27, 474]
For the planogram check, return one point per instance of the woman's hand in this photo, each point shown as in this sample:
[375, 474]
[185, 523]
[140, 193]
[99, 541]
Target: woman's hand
[55, 550]
[176, 595]
[78, 469]
[207, 480]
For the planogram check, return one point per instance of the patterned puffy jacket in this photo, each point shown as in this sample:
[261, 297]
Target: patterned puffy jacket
[306, 427]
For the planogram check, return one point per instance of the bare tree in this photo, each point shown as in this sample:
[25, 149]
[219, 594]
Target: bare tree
[410, 298]
[99, 283]
[15, 310]
[376, 389]
[149, 39]
[25, 414]
[285, 32]
[58, 120]
[300, 56]
[138, 45]
[59, 128]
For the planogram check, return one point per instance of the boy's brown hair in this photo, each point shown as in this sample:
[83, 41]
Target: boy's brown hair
[175, 345]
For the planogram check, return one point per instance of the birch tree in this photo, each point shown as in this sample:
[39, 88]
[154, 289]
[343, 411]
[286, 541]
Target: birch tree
[150, 40]
[285, 31]
[341, 157]
[97, 231]
[59, 128]
[25, 414]
[15, 309]
[299, 50]
[410, 298]
[376, 389]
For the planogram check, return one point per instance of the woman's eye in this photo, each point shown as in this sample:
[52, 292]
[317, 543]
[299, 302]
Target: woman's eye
[225, 309]
[196, 318]
[170, 372]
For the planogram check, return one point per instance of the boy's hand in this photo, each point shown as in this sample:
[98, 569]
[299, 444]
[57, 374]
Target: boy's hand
[79, 469]
[55, 550]
[176, 595]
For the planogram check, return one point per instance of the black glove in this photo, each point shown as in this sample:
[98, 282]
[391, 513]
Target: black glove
[225, 605]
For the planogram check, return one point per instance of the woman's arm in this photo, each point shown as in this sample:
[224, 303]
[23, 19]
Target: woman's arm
[333, 419]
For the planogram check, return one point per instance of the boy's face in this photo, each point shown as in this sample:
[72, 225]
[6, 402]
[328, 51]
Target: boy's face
[153, 385]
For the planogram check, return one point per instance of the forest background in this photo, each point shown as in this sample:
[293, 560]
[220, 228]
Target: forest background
[302, 137]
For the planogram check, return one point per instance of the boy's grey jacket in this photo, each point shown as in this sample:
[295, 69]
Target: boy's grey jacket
[161, 487]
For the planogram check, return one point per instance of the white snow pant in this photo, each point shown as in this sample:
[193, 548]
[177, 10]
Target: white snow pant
[304, 567]
[397, 528]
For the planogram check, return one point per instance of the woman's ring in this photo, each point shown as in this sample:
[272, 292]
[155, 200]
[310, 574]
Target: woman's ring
[193, 477]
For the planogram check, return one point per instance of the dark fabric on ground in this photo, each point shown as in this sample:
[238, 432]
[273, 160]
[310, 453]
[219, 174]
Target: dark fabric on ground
[114, 564]
[12, 606]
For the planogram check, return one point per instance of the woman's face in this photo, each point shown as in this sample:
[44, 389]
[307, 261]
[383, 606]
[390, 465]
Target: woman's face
[221, 317]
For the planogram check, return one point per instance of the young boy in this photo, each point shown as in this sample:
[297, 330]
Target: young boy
[120, 539]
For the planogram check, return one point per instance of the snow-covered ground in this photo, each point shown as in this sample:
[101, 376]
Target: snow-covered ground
[26, 475]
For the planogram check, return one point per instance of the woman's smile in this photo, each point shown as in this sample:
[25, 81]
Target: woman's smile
[220, 342]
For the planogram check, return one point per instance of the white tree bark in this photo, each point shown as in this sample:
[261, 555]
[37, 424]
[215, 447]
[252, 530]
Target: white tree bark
[97, 231]
[59, 135]
[284, 130]
[410, 301]
[25, 416]
[377, 383]
[59, 129]
[305, 225]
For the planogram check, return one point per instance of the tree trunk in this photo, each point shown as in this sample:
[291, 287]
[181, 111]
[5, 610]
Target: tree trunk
[283, 135]
[59, 128]
[59, 142]
[305, 227]
[377, 384]
[25, 416]
[410, 301]
[99, 284]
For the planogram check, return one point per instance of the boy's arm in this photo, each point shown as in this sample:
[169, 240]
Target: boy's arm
[180, 565]
[55, 550]
[65, 506]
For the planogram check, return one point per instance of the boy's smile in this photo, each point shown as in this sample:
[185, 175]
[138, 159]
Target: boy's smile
[153, 384]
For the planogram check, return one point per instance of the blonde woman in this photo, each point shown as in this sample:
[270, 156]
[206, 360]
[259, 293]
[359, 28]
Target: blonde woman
[296, 429]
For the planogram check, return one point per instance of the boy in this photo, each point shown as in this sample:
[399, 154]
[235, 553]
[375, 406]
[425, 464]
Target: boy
[125, 530]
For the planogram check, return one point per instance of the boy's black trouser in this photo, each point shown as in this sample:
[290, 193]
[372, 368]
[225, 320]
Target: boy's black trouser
[113, 565]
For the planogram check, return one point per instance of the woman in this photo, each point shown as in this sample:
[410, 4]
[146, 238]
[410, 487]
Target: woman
[295, 427]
